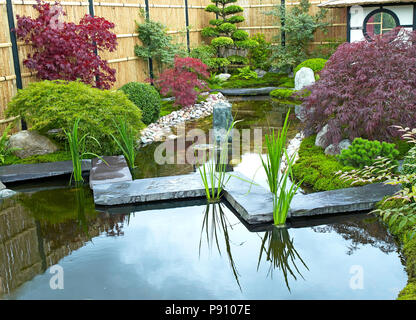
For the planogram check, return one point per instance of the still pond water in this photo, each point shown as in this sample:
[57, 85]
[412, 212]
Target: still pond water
[187, 250]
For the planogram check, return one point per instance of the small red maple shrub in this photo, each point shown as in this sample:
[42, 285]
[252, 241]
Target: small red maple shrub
[183, 79]
[65, 50]
[365, 88]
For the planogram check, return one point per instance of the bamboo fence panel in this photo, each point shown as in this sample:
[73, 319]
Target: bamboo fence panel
[124, 13]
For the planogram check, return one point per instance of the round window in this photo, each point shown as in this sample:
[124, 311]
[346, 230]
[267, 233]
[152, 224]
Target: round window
[378, 22]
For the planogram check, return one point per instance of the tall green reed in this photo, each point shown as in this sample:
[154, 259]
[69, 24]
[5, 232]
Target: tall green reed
[77, 150]
[281, 253]
[126, 142]
[279, 182]
[213, 173]
[214, 223]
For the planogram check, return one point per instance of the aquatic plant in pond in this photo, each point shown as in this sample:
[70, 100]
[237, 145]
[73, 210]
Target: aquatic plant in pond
[279, 250]
[126, 142]
[77, 149]
[213, 172]
[278, 181]
[214, 222]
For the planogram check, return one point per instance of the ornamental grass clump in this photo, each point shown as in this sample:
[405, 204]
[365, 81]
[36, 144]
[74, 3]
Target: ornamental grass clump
[77, 150]
[126, 141]
[280, 184]
[213, 172]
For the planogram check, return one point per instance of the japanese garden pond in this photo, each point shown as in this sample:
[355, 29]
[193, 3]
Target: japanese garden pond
[186, 249]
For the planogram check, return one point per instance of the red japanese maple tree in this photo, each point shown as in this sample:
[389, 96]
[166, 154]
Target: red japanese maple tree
[365, 88]
[65, 50]
[183, 79]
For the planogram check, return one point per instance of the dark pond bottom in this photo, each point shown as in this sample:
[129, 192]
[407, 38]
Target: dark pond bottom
[189, 252]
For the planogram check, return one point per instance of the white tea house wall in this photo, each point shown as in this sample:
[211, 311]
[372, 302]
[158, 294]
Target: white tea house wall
[368, 18]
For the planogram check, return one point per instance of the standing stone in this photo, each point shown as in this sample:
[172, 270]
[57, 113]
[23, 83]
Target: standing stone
[321, 140]
[304, 77]
[30, 143]
[334, 149]
[260, 73]
[223, 76]
[222, 120]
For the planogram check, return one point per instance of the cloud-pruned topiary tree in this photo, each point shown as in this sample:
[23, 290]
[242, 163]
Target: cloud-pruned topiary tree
[224, 31]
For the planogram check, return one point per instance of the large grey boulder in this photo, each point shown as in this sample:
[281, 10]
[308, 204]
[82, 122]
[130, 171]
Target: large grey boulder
[223, 76]
[334, 149]
[29, 143]
[303, 78]
[260, 73]
[321, 139]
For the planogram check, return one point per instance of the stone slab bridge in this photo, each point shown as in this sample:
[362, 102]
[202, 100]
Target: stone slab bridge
[252, 202]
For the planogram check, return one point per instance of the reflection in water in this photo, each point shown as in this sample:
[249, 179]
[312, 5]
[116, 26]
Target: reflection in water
[38, 229]
[160, 253]
[361, 232]
[214, 224]
[281, 253]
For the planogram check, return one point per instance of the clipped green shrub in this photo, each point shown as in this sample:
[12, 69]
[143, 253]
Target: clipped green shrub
[317, 170]
[288, 83]
[47, 105]
[227, 27]
[316, 65]
[282, 93]
[363, 152]
[240, 35]
[232, 9]
[222, 42]
[409, 163]
[209, 32]
[268, 80]
[146, 97]
[246, 44]
[235, 19]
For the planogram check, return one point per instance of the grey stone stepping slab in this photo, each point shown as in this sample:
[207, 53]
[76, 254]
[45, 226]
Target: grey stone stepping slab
[246, 91]
[26, 172]
[151, 189]
[114, 169]
[340, 201]
[253, 202]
